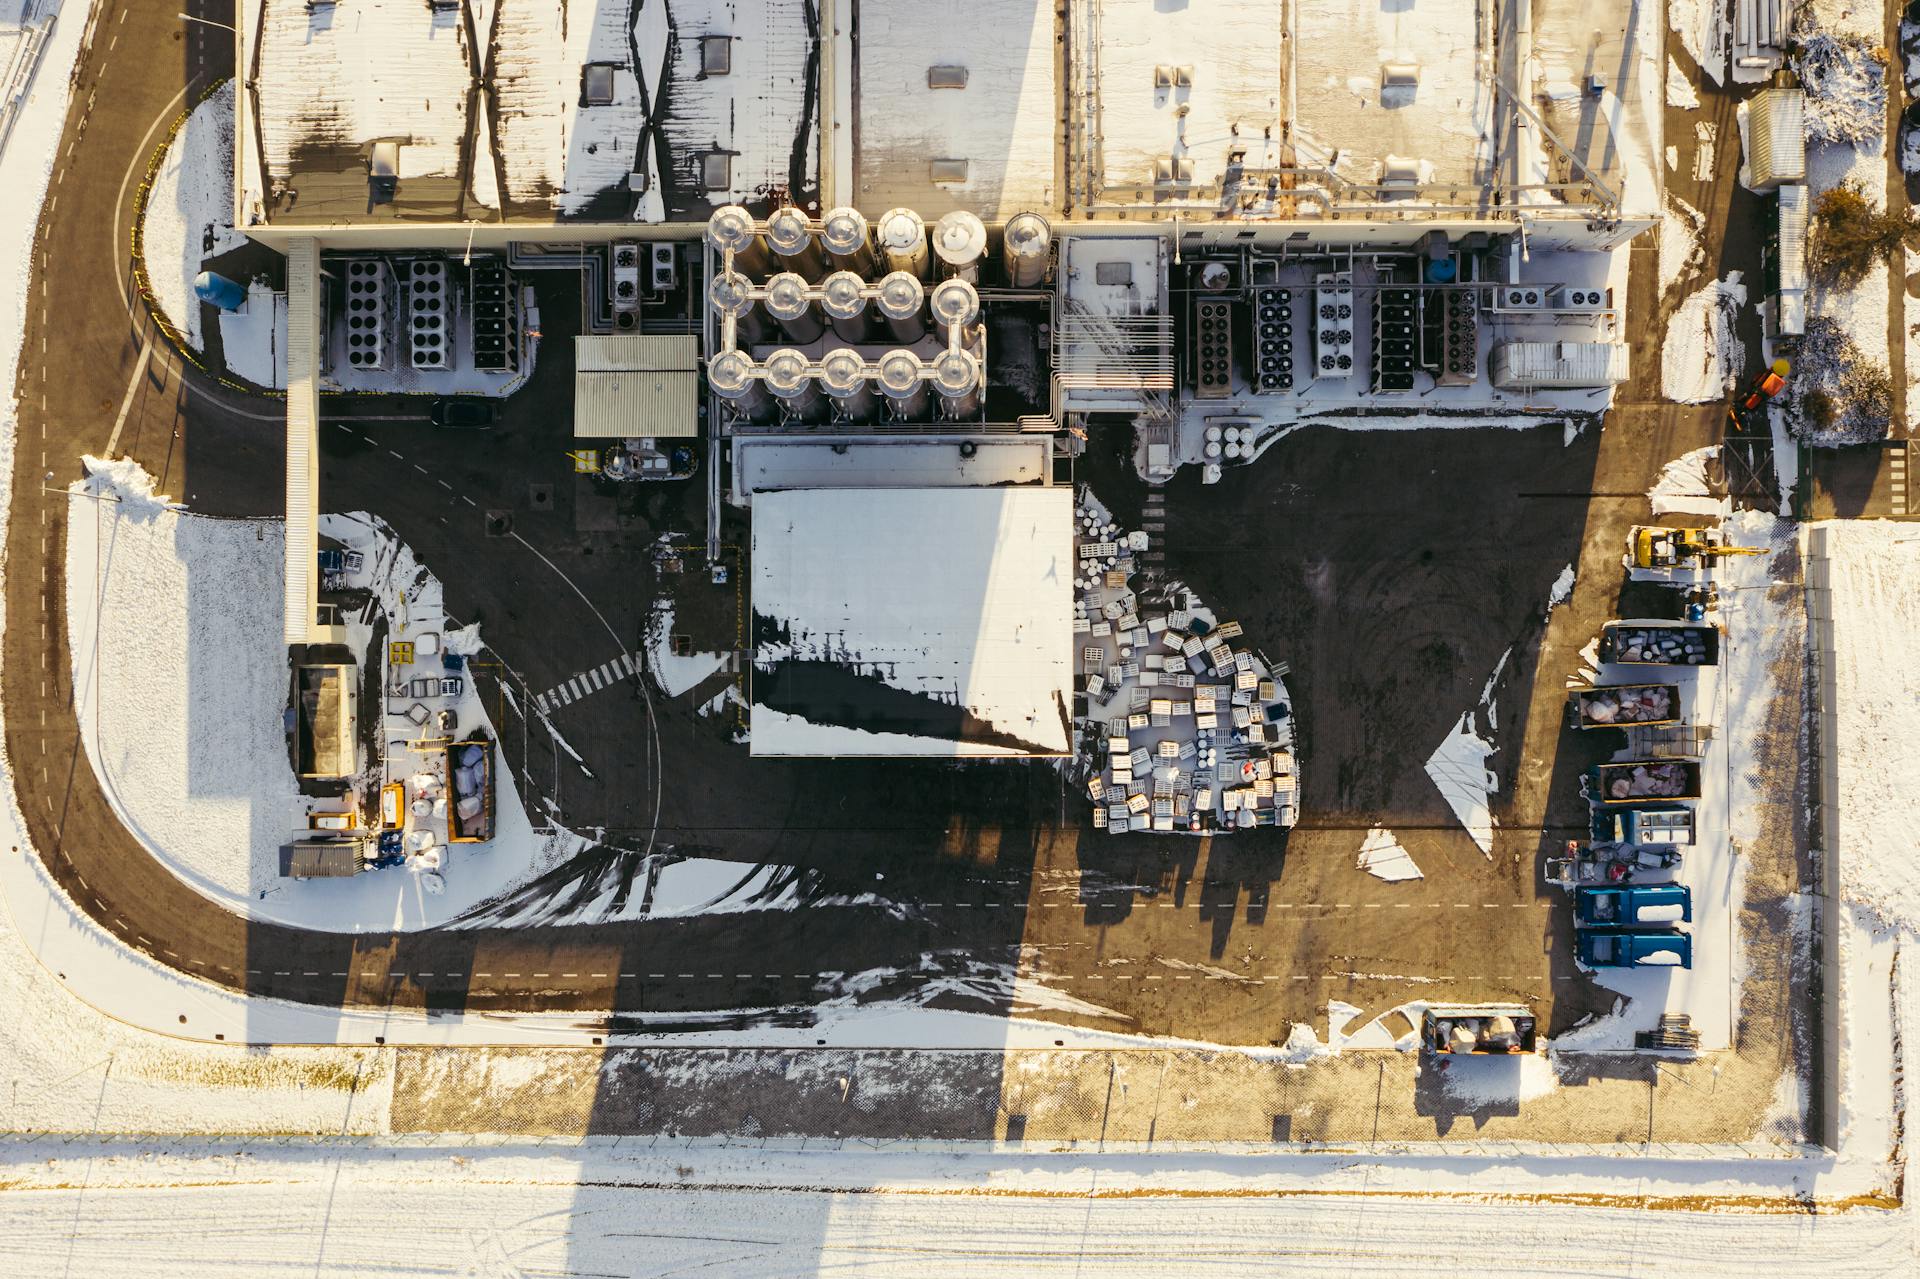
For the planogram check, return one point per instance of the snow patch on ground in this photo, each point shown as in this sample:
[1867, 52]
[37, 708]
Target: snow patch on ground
[1458, 767]
[1683, 486]
[189, 215]
[1489, 1079]
[1562, 589]
[1702, 359]
[1681, 253]
[1704, 32]
[676, 674]
[1680, 90]
[1382, 857]
[254, 338]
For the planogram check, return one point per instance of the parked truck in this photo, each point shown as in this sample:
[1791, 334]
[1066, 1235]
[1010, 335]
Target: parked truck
[1625, 706]
[1656, 642]
[470, 790]
[1644, 825]
[1642, 779]
[1632, 905]
[1605, 948]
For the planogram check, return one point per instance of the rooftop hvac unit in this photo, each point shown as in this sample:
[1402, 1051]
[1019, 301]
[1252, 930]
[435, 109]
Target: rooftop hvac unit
[1334, 322]
[1580, 301]
[429, 333]
[366, 284]
[1522, 297]
[626, 277]
[666, 268]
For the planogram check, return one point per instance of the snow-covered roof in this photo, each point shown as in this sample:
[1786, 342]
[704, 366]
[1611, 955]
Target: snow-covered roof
[913, 622]
[1001, 120]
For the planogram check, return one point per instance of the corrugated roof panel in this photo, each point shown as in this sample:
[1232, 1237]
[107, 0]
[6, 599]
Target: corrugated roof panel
[1793, 237]
[1547, 365]
[631, 385]
[1777, 137]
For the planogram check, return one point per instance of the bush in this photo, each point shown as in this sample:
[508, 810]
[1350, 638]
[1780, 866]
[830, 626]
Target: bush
[1836, 395]
[1850, 235]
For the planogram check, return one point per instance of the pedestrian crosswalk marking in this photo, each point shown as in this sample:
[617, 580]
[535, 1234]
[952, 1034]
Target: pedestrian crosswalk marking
[592, 680]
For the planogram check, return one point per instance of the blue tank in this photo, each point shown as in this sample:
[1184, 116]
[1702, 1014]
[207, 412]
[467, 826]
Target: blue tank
[228, 295]
[1440, 271]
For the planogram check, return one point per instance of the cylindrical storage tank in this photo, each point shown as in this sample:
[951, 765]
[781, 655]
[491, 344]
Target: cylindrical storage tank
[843, 232]
[901, 383]
[955, 304]
[903, 243]
[959, 241]
[845, 305]
[788, 303]
[902, 299]
[843, 375]
[730, 229]
[211, 286]
[1026, 243]
[730, 374]
[792, 383]
[790, 235]
[728, 296]
[957, 376]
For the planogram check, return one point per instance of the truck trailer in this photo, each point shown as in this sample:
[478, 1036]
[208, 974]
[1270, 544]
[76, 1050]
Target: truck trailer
[1634, 780]
[1656, 642]
[1625, 706]
[1607, 948]
[1633, 905]
[470, 787]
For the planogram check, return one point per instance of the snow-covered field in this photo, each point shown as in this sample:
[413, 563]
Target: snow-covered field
[189, 213]
[1702, 358]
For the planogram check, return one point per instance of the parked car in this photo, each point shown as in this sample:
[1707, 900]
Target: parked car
[462, 414]
[1607, 949]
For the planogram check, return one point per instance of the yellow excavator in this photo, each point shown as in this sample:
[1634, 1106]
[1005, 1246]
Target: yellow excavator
[1650, 546]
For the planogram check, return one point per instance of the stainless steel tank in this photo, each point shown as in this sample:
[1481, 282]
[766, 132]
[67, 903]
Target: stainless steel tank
[843, 375]
[955, 305]
[960, 241]
[845, 305]
[731, 229]
[902, 304]
[730, 374]
[903, 243]
[901, 383]
[1026, 244]
[959, 379]
[728, 297]
[788, 303]
[843, 232]
[791, 380]
[790, 235]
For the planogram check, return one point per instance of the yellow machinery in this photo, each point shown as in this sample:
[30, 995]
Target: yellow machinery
[1649, 546]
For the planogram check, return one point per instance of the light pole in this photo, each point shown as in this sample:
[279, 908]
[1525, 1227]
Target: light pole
[209, 22]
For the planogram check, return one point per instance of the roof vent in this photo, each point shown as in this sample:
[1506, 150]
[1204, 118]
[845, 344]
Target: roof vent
[1400, 75]
[948, 171]
[946, 77]
[716, 55]
[716, 171]
[596, 84]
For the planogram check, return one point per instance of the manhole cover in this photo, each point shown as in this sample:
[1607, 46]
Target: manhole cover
[540, 496]
[499, 523]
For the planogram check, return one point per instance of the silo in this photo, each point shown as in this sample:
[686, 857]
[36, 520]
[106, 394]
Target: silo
[790, 235]
[792, 383]
[957, 376]
[844, 233]
[843, 374]
[728, 296]
[903, 243]
[845, 305]
[901, 383]
[1026, 243]
[955, 304]
[788, 303]
[730, 374]
[959, 241]
[902, 300]
[730, 229]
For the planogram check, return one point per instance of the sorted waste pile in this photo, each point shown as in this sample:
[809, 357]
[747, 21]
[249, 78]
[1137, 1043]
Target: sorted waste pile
[1179, 730]
[1638, 705]
[1671, 646]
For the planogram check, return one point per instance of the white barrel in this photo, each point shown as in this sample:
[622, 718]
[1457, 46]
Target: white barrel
[902, 302]
[731, 230]
[959, 241]
[903, 243]
[1233, 451]
[728, 295]
[843, 375]
[901, 383]
[843, 233]
[788, 303]
[1213, 449]
[845, 305]
[790, 235]
[730, 374]
[791, 380]
[959, 379]
[1026, 244]
[955, 304]
[1213, 435]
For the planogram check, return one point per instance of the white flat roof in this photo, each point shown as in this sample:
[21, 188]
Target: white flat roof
[1003, 123]
[913, 622]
